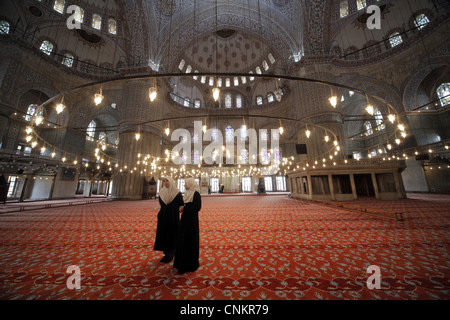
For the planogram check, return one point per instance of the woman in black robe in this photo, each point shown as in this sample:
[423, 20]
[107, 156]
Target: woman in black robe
[188, 247]
[171, 202]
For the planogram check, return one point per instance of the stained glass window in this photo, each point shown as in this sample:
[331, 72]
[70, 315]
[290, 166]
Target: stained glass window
[46, 47]
[421, 21]
[259, 100]
[344, 9]
[197, 103]
[59, 5]
[91, 131]
[395, 39]
[443, 93]
[68, 60]
[379, 119]
[96, 21]
[361, 4]
[112, 26]
[4, 27]
[228, 100]
[31, 110]
[79, 15]
[229, 134]
[238, 101]
[368, 128]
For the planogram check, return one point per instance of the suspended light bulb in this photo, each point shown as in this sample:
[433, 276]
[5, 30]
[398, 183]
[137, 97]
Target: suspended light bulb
[397, 141]
[28, 138]
[327, 138]
[75, 162]
[308, 133]
[60, 108]
[403, 134]
[167, 131]
[28, 130]
[370, 110]
[216, 93]
[138, 136]
[104, 147]
[281, 130]
[152, 93]
[391, 118]
[39, 120]
[53, 154]
[335, 143]
[389, 146]
[63, 159]
[333, 101]
[43, 149]
[34, 144]
[98, 98]
[401, 127]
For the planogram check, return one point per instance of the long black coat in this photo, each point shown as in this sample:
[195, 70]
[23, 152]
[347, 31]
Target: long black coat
[168, 223]
[188, 247]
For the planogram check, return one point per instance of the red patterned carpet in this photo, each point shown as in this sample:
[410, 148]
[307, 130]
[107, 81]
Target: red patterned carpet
[253, 247]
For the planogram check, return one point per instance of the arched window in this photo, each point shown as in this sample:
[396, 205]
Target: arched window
[188, 69]
[96, 21]
[228, 100]
[270, 97]
[236, 81]
[368, 128]
[344, 9]
[101, 137]
[186, 102]
[227, 82]
[271, 58]
[264, 156]
[443, 93]
[4, 27]
[59, 5]
[244, 80]
[421, 21]
[265, 65]
[229, 134]
[361, 4]
[211, 81]
[46, 47]
[258, 70]
[395, 39]
[79, 15]
[197, 103]
[181, 65]
[91, 131]
[379, 119]
[244, 156]
[68, 60]
[31, 112]
[238, 101]
[251, 78]
[112, 26]
[259, 100]
[219, 82]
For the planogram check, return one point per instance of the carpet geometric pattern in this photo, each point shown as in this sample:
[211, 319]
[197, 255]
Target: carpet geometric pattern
[251, 248]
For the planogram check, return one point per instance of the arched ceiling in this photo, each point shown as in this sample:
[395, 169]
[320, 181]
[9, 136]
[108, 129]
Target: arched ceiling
[175, 25]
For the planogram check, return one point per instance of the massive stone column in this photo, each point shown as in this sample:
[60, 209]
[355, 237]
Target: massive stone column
[136, 110]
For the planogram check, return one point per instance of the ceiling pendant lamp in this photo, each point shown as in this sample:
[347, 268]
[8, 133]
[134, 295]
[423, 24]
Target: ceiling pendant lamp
[98, 97]
[152, 92]
[60, 106]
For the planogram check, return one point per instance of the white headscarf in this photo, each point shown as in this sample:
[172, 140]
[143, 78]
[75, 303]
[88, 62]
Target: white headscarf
[192, 186]
[168, 194]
